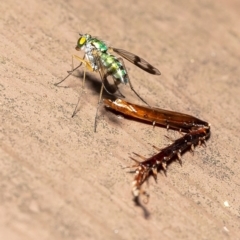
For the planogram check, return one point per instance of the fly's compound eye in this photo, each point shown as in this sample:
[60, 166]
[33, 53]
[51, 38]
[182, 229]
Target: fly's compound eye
[82, 41]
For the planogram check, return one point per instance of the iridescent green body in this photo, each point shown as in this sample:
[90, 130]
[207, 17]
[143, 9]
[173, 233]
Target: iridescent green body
[96, 53]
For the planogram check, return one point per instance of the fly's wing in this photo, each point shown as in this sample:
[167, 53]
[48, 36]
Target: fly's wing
[136, 60]
[102, 70]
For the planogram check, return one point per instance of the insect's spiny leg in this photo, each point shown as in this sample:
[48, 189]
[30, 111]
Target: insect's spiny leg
[143, 158]
[192, 149]
[157, 148]
[164, 166]
[154, 172]
[180, 132]
[202, 142]
[135, 160]
[179, 157]
[169, 138]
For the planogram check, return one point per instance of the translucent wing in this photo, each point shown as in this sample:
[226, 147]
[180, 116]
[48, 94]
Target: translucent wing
[136, 60]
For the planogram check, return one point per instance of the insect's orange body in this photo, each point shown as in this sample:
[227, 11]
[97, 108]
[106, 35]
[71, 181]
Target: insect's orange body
[197, 131]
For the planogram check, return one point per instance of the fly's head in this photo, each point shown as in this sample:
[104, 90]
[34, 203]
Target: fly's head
[82, 41]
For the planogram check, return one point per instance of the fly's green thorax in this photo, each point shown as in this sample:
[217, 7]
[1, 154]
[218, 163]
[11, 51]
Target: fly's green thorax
[90, 43]
[99, 45]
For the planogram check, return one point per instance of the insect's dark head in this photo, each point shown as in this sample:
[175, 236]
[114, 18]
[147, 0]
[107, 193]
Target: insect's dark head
[83, 39]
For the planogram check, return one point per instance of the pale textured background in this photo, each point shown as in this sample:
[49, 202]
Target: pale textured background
[59, 179]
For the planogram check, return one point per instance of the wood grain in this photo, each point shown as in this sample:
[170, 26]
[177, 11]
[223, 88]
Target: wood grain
[59, 179]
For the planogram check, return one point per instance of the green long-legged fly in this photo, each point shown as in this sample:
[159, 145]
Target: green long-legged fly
[98, 57]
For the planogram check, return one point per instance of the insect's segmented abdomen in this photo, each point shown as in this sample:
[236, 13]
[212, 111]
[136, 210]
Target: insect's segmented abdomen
[114, 67]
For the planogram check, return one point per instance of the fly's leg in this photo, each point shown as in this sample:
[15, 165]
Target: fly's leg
[130, 84]
[99, 101]
[74, 69]
[103, 76]
[105, 88]
[70, 72]
[88, 66]
[117, 89]
[121, 95]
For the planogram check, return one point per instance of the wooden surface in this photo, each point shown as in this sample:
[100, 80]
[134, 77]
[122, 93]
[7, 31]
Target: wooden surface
[59, 179]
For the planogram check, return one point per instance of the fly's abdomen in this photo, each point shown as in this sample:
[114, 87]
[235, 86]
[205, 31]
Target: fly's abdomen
[114, 68]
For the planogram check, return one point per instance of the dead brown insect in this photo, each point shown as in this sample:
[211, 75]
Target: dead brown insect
[197, 131]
